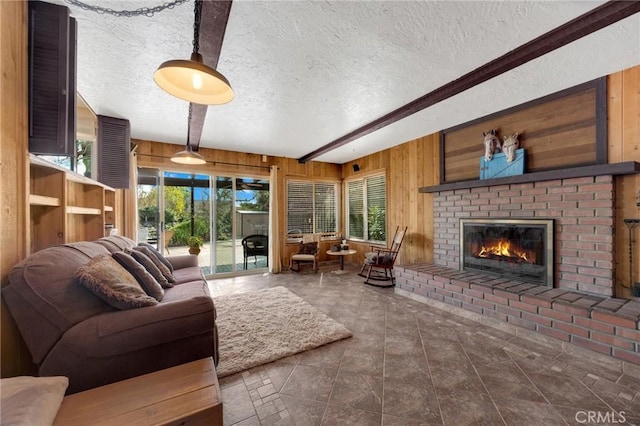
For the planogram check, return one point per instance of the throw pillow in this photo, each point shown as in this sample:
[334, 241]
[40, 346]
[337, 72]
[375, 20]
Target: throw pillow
[158, 255]
[308, 248]
[140, 273]
[108, 280]
[28, 400]
[151, 267]
[163, 268]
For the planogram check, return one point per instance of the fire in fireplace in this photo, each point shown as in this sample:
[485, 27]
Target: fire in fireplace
[514, 248]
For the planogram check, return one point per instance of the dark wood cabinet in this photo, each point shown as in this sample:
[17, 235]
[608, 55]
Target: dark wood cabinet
[52, 76]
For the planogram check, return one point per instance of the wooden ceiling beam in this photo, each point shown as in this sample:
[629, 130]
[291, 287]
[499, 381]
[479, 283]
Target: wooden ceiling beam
[213, 24]
[585, 24]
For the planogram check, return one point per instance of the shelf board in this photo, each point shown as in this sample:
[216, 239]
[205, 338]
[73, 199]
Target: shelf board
[83, 210]
[43, 200]
[108, 208]
[70, 175]
[628, 167]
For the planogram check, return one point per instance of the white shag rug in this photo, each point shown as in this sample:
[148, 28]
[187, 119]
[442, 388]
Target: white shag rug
[262, 326]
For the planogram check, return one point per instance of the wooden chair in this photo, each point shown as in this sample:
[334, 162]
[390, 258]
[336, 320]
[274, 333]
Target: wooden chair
[255, 245]
[307, 253]
[378, 264]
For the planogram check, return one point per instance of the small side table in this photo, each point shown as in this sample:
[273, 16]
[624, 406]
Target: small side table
[342, 254]
[186, 394]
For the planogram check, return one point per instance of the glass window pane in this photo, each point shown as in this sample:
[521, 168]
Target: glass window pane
[299, 207]
[312, 207]
[376, 208]
[355, 209]
[325, 207]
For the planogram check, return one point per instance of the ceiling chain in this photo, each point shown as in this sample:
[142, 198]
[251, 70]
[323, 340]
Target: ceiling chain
[143, 11]
[197, 12]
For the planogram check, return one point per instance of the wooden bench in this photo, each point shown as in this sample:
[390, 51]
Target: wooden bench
[187, 394]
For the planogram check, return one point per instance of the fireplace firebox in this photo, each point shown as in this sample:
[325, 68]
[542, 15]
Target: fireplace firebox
[514, 248]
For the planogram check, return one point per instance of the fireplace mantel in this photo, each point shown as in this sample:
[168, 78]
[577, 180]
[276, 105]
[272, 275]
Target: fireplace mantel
[624, 168]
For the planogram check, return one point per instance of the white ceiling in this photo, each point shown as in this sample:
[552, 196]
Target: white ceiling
[308, 72]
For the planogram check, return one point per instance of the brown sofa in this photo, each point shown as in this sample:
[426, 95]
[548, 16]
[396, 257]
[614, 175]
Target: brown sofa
[71, 332]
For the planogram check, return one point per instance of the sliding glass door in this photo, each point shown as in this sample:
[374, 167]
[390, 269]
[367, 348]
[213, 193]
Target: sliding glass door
[187, 214]
[252, 223]
[229, 214]
[224, 257]
[242, 224]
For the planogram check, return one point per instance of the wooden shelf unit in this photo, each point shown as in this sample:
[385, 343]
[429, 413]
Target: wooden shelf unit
[65, 207]
[109, 211]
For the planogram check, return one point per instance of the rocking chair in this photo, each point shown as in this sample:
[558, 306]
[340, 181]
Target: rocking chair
[378, 264]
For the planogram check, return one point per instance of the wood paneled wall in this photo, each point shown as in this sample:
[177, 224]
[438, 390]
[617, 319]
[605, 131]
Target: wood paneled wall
[557, 131]
[14, 226]
[408, 167]
[623, 90]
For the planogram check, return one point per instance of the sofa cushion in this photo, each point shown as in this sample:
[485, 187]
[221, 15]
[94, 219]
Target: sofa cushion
[188, 274]
[112, 283]
[115, 243]
[159, 255]
[151, 267]
[140, 273]
[163, 268]
[308, 248]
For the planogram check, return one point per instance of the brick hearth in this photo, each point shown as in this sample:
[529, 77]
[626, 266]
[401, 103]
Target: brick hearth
[579, 309]
[607, 325]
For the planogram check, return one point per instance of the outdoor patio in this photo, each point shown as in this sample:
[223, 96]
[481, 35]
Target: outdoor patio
[223, 257]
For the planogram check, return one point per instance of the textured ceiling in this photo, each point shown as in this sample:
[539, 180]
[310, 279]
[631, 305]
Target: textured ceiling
[308, 72]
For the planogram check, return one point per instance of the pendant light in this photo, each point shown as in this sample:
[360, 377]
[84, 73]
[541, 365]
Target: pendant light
[192, 80]
[188, 155]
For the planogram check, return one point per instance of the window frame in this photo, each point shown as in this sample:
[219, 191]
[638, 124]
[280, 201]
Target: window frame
[363, 179]
[313, 182]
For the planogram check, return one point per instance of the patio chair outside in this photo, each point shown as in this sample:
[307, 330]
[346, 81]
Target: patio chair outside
[255, 245]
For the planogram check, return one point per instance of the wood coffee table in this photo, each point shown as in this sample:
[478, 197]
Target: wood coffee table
[342, 254]
[186, 394]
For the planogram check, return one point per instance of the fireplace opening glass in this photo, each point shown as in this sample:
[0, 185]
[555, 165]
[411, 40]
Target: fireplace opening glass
[521, 249]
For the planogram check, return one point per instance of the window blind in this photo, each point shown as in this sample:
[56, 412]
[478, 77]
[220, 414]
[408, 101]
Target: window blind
[312, 207]
[366, 209]
[376, 190]
[356, 209]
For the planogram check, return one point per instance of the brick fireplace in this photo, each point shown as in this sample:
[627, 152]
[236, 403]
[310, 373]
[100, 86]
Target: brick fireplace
[582, 210]
[577, 306]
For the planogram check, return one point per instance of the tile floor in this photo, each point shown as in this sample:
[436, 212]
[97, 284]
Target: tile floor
[409, 363]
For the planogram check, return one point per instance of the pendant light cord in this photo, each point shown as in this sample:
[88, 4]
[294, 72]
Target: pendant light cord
[197, 12]
[189, 126]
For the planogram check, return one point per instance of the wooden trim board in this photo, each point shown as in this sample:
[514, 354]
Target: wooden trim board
[186, 394]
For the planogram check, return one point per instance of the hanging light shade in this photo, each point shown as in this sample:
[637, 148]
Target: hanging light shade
[188, 156]
[192, 80]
